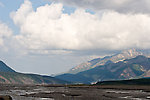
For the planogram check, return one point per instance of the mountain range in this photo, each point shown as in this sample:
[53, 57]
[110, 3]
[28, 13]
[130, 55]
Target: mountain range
[10, 76]
[125, 65]
[128, 64]
[126, 54]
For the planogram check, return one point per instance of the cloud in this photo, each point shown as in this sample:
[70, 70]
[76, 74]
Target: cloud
[5, 33]
[124, 6]
[48, 28]
[49, 36]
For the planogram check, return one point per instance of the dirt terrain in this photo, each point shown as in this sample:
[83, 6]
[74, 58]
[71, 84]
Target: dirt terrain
[76, 92]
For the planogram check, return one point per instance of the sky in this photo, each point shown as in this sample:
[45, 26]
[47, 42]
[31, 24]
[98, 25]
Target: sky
[52, 36]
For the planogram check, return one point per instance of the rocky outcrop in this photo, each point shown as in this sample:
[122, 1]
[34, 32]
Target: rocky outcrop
[5, 97]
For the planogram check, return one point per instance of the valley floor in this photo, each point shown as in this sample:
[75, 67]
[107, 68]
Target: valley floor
[76, 92]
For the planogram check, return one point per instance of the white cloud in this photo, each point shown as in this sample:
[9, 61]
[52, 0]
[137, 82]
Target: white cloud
[136, 6]
[5, 33]
[20, 15]
[50, 29]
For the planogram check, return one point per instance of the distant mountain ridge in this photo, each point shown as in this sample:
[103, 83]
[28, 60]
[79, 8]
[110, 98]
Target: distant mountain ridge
[137, 67]
[10, 76]
[126, 54]
[20, 78]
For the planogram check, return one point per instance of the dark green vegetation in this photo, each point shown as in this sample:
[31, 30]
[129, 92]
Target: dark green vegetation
[142, 81]
[9, 76]
[137, 67]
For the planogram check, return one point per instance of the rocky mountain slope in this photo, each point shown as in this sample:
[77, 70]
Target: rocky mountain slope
[126, 54]
[137, 67]
[10, 76]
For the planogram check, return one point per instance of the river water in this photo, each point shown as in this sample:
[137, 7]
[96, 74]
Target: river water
[71, 93]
